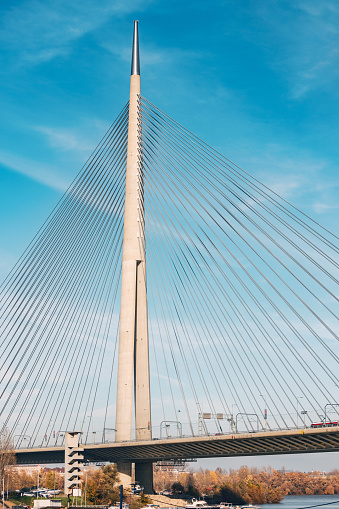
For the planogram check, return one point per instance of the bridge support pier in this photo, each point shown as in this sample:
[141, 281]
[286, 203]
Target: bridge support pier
[125, 473]
[144, 476]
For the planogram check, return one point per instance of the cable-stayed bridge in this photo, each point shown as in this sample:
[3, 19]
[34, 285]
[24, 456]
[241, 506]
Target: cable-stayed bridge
[171, 306]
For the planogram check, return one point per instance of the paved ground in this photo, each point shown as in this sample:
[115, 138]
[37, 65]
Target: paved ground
[163, 501]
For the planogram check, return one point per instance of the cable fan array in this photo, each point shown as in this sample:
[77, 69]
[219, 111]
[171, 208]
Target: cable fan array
[241, 291]
[59, 306]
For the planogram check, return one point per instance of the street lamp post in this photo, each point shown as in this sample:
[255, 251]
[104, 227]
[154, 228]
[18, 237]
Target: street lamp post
[90, 419]
[299, 397]
[265, 411]
[104, 434]
[22, 437]
[304, 413]
[232, 416]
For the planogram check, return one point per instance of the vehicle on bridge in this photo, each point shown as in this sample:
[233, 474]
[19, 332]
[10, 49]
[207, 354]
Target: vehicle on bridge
[324, 424]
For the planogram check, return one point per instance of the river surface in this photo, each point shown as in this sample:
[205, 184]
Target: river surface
[303, 501]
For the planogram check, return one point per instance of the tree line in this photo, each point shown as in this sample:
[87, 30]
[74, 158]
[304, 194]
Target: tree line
[247, 485]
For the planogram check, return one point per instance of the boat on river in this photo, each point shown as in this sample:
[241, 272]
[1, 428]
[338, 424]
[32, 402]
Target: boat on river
[201, 504]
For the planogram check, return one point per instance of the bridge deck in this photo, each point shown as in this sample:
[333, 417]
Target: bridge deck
[245, 444]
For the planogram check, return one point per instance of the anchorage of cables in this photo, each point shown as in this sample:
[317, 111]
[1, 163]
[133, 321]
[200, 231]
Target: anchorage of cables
[60, 306]
[242, 292]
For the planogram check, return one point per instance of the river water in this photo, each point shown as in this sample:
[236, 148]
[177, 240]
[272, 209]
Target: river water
[303, 501]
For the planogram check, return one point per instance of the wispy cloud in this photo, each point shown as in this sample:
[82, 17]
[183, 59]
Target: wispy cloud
[41, 31]
[66, 139]
[152, 55]
[42, 173]
[321, 208]
[305, 39]
[295, 175]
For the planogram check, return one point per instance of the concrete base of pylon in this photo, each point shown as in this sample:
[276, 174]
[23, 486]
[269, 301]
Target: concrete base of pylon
[125, 474]
[144, 476]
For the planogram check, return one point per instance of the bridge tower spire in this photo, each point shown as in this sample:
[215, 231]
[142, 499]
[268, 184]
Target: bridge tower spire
[133, 363]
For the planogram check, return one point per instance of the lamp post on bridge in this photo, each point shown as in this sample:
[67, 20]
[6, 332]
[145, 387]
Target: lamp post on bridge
[304, 413]
[299, 397]
[24, 437]
[265, 411]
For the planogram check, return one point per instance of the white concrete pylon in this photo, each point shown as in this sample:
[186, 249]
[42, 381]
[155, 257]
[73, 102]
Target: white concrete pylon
[133, 361]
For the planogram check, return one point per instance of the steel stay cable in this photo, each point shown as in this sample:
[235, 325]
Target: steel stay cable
[170, 154]
[168, 246]
[61, 396]
[141, 196]
[202, 275]
[227, 299]
[102, 349]
[158, 281]
[85, 166]
[164, 357]
[45, 313]
[112, 276]
[194, 155]
[186, 335]
[70, 361]
[277, 244]
[172, 355]
[234, 166]
[70, 246]
[196, 362]
[41, 271]
[205, 302]
[142, 235]
[273, 324]
[43, 253]
[96, 334]
[189, 192]
[101, 270]
[157, 366]
[163, 351]
[111, 374]
[273, 287]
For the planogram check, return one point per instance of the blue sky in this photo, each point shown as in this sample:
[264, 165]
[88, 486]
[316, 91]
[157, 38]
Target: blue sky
[256, 80]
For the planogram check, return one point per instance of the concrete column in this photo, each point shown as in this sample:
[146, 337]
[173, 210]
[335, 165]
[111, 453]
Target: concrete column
[144, 476]
[125, 474]
[133, 361]
[131, 256]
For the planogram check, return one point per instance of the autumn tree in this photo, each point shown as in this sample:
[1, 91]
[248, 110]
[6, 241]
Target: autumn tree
[102, 484]
[48, 481]
[7, 455]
